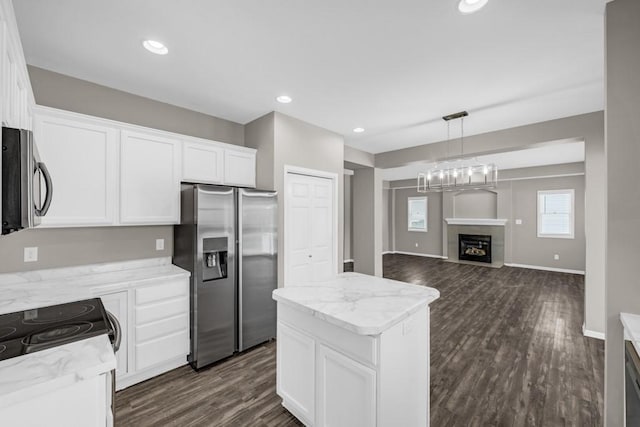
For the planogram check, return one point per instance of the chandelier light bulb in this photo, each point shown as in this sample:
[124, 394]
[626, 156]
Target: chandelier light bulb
[455, 173]
[470, 171]
[441, 174]
[429, 176]
[486, 170]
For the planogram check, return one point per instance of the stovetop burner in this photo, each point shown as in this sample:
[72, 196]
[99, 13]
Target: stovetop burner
[41, 328]
[7, 331]
[57, 313]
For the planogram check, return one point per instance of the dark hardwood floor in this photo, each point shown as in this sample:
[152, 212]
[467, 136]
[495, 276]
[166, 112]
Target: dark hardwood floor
[506, 350]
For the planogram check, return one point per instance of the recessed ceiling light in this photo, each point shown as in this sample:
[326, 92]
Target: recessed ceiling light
[469, 6]
[284, 99]
[155, 47]
[358, 130]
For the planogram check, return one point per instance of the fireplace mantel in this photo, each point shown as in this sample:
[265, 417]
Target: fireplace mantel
[476, 221]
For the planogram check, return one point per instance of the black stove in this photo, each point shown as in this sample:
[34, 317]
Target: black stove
[38, 329]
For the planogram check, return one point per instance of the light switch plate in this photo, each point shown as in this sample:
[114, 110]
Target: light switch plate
[159, 244]
[518, 222]
[556, 257]
[31, 254]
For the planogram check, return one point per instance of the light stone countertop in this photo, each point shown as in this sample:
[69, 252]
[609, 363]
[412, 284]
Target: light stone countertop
[366, 305]
[631, 323]
[41, 288]
[46, 371]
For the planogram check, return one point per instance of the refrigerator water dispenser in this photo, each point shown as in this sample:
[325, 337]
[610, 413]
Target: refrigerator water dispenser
[214, 258]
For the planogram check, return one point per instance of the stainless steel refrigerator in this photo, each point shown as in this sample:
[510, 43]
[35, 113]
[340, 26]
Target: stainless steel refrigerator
[227, 239]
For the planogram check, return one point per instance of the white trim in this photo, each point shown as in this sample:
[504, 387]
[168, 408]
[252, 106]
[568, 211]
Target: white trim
[476, 221]
[388, 252]
[348, 172]
[539, 267]
[290, 169]
[347, 260]
[415, 254]
[592, 334]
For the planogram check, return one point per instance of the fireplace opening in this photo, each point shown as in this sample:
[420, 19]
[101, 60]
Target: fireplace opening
[474, 248]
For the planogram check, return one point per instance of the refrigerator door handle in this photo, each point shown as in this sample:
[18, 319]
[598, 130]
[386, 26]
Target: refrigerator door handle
[239, 263]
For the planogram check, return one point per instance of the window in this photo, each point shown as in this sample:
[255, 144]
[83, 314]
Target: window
[417, 209]
[555, 214]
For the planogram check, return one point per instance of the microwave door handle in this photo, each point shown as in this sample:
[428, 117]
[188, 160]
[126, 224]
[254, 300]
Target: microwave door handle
[49, 185]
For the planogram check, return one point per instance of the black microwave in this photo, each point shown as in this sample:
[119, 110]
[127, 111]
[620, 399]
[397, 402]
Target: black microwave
[27, 188]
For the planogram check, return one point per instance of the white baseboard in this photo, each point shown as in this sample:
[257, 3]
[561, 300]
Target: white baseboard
[417, 254]
[347, 260]
[387, 252]
[592, 334]
[538, 267]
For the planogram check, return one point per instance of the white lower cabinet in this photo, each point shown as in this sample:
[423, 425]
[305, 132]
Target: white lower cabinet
[346, 390]
[296, 383]
[155, 323]
[85, 403]
[331, 377]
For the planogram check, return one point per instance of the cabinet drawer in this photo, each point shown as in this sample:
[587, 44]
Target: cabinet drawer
[162, 328]
[160, 350]
[362, 348]
[161, 310]
[161, 292]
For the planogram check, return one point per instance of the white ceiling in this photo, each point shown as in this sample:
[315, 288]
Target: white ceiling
[557, 154]
[392, 67]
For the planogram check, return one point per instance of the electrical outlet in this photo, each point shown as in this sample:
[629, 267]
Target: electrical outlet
[518, 222]
[416, 245]
[556, 257]
[31, 254]
[159, 244]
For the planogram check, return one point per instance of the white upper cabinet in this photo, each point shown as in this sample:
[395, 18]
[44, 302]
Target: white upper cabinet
[149, 178]
[240, 167]
[16, 95]
[202, 162]
[82, 158]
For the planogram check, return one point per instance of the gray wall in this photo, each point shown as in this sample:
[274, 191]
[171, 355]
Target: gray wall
[260, 134]
[529, 249]
[475, 204]
[347, 217]
[288, 141]
[386, 219]
[429, 243]
[71, 94]
[63, 247]
[367, 221]
[77, 246]
[623, 191]
[517, 199]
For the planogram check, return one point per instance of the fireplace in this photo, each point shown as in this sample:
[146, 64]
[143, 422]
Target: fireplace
[474, 248]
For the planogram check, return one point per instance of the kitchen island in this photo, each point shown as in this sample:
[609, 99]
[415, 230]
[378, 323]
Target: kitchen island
[354, 351]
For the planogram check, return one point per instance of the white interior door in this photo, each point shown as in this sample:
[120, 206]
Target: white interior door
[309, 255]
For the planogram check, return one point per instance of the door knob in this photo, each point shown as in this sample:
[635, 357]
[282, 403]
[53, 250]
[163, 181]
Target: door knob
[310, 256]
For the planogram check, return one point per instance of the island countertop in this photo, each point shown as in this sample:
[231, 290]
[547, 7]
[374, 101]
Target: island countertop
[366, 305]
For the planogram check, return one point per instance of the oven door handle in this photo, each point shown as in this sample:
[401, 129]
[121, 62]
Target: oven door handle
[117, 331]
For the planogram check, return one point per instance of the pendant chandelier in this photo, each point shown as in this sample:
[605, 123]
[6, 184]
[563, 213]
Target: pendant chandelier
[457, 173]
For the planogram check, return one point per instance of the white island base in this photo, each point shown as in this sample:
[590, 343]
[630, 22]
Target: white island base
[330, 374]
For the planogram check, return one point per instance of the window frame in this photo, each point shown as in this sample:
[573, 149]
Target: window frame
[426, 214]
[572, 214]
